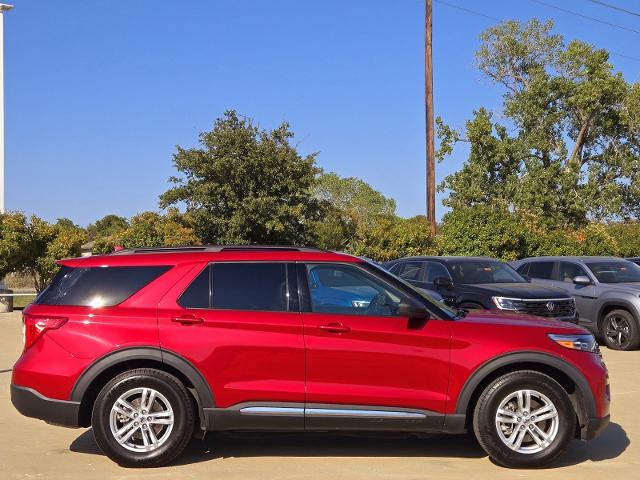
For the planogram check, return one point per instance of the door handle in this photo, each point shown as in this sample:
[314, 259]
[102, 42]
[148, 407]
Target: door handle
[334, 328]
[187, 320]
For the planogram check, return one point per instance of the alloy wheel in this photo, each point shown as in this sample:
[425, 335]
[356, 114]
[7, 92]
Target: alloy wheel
[617, 330]
[527, 421]
[141, 419]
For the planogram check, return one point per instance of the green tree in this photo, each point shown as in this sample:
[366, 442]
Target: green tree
[569, 148]
[627, 236]
[14, 242]
[48, 243]
[389, 237]
[352, 206]
[246, 185]
[150, 229]
[107, 226]
[485, 230]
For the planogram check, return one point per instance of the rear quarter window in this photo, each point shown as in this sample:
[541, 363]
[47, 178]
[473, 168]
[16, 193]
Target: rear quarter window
[97, 286]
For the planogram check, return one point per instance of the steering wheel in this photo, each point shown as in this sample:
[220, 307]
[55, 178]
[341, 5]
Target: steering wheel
[379, 304]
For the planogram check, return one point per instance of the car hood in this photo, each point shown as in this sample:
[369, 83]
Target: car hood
[517, 290]
[496, 317]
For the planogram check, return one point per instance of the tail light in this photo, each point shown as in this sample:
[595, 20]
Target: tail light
[33, 326]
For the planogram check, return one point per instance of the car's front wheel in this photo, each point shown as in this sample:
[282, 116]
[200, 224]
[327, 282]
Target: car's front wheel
[621, 330]
[524, 419]
[143, 418]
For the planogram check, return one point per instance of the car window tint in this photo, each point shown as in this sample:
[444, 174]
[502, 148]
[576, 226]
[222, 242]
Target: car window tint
[411, 271]
[97, 286]
[198, 293]
[568, 271]
[543, 270]
[346, 289]
[250, 286]
[523, 269]
[435, 270]
[483, 271]
[615, 271]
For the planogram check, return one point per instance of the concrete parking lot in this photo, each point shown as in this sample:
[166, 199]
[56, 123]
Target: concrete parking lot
[32, 449]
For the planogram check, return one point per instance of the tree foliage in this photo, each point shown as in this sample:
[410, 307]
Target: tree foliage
[246, 185]
[108, 225]
[569, 148]
[150, 229]
[389, 237]
[352, 207]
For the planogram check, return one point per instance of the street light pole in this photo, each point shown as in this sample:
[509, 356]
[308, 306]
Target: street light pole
[3, 8]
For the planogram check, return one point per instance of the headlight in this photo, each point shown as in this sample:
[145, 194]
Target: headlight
[583, 342]
[504, 303]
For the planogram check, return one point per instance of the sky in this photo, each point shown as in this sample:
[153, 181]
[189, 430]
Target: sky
[98, 94]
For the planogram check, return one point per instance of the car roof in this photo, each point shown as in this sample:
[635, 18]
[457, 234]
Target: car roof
[207, 253]
[575, 258]
[450, 258]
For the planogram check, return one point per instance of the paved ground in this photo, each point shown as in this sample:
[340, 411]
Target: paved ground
[32, 449]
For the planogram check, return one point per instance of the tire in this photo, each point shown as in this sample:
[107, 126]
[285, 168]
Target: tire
[170, 420]
[490, 431]
[620, 330]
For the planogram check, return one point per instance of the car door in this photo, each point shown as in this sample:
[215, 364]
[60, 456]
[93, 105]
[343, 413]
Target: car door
[584, 295]
[360, 355]
[239, 324]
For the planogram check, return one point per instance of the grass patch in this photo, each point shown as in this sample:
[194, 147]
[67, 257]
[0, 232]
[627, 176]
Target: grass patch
[22, 301]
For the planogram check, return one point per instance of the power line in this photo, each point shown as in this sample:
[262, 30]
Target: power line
[480, 14]
[614, 7]
[468, 10]
[593, 19]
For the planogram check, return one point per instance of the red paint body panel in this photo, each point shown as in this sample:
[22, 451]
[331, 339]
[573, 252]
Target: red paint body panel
[379, 361]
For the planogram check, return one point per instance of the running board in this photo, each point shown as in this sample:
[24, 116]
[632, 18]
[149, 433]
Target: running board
[256, 416]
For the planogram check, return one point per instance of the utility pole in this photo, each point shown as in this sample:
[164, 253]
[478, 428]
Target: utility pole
[428, 98]
[3, 8]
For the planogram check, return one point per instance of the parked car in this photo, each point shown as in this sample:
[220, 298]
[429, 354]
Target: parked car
[635, 260]
[484, 283]
[606, 290]
[153, 346]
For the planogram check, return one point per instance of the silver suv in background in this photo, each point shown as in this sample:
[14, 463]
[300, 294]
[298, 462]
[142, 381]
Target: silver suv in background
[606, 290]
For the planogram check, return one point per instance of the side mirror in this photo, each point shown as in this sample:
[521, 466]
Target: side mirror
[443, 282]
[582, 280]
[417, 314]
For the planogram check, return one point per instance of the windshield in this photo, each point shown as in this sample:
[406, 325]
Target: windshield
[483, 271]
[446, 310]
[615, 271]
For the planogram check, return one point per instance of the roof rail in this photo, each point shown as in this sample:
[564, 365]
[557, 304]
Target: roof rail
[215, 248]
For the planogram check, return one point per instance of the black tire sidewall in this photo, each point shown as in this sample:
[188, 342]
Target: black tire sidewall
[634, 333]
[174, 392]
[484, 419]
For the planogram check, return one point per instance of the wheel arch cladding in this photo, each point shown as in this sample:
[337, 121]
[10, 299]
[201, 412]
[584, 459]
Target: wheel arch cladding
[609, 306]
[565, 374]
[94, 377]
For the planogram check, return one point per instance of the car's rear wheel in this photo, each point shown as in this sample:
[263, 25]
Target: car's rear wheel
[620, 330]
[524, 419]
[143, 418]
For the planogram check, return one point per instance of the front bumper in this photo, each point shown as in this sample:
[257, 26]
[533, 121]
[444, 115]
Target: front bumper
[594, 427]
[31, 403]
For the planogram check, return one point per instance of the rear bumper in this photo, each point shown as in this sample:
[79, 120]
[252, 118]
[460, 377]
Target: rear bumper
[594, 427]
[32, 404]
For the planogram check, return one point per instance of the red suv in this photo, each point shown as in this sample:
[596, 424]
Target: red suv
[153, 346]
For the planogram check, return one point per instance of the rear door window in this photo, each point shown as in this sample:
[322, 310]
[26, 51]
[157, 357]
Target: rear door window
[411, 271]
[250, 286]
[541, 270]
[198, 293]
[97, 286]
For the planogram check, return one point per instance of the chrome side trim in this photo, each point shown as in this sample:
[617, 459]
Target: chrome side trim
[344, 412]
[273, 411]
